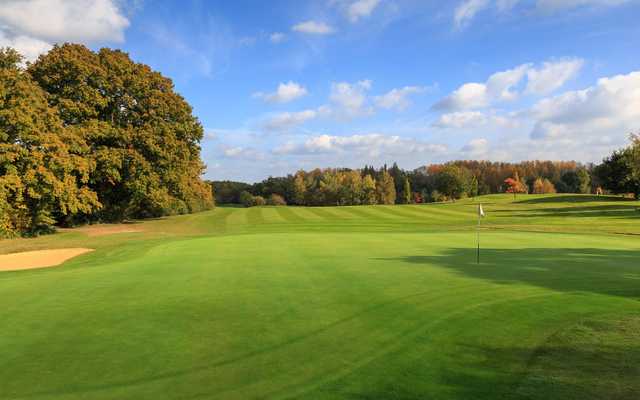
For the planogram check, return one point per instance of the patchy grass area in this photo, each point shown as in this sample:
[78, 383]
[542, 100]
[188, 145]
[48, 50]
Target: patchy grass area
[382, 302]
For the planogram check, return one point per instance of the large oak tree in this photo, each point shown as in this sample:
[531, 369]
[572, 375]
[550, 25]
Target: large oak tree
[142, 135]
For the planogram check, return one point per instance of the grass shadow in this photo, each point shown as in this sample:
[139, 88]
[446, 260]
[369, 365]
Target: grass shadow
[613, 210]
[610, 272]
[593, 359]
[574, 198]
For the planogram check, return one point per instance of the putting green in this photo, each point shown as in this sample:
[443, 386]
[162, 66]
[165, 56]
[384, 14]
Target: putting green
[349, 303]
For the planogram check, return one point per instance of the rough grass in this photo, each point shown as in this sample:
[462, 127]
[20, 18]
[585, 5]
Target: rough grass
[381, 302]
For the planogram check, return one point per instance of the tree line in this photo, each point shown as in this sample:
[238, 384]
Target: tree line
[617, 174]
[393, 185]
[93, 136]
[319, 187]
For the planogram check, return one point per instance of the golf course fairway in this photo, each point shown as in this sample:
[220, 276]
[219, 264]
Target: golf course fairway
[370, 302]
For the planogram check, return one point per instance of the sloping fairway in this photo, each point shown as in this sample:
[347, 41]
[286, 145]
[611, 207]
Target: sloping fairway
[382, 302]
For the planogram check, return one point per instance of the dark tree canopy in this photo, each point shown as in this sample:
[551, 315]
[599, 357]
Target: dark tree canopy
[620, 172]
[453, 181]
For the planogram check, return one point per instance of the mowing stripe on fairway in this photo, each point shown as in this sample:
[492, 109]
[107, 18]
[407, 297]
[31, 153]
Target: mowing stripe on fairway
[325, 213]
[272, 216]
[237, 219]
[397, 213]
[307, 214]
[254, 216]
[289, 215]
[219, 219]
[417, 215]
[361, 213]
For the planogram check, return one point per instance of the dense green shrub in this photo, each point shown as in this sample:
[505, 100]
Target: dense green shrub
[246, 199]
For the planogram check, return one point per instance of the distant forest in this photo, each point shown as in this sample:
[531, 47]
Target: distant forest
[618, 174]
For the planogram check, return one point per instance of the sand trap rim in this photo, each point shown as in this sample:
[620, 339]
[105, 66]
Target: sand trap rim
[39, 258]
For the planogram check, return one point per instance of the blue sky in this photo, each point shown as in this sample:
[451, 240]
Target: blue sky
[284, 85]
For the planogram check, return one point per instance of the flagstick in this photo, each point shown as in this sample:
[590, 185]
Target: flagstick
[478, 238]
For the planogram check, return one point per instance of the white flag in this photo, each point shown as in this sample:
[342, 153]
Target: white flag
[480, 211]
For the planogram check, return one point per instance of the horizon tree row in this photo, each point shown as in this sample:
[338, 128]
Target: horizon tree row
[436, 182]
[617, 174]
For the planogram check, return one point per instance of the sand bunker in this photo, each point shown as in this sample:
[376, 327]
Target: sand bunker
[38, 259]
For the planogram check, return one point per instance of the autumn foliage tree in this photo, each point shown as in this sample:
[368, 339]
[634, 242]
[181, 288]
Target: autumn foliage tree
[44, 171]
[299, 188]
[543, 186]
[141, 135]
[515, 185]
[386, 189]
[93, 136]
[369, 190]
[276, 200]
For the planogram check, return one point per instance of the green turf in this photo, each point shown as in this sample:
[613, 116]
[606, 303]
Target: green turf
[382, 302]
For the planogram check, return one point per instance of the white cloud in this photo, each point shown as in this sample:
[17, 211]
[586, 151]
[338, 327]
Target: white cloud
[240, 152]
[277, 37]
[346, 101]
[581, 125]
[59, 20]
[29, 47]
[210, 134]
[503, 86]
[286, 92]
[610, 108]
[233, 151]
[360, 9]
[288, 120]
[371, 145]
[461, 119]
[473, 120]
[467, 10]
[552, 75]
[350, 100]
[469, 95]
[499, 87]
[588, 149]
[32, 26]
[476, 148]
[313, 28]
[397, 98]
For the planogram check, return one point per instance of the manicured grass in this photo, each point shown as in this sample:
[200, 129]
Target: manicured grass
[381, 302]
